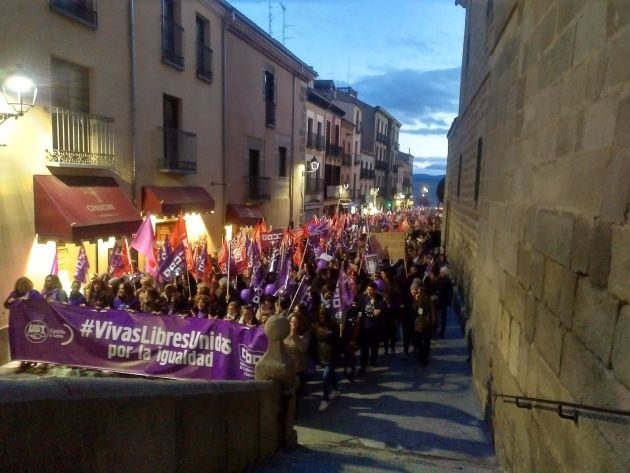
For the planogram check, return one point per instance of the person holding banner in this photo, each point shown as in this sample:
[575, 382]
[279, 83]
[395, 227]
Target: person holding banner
[53, 290]
[75, 297]
[22, 291]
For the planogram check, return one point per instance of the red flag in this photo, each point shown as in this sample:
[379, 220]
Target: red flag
[179, 235]
[223, 255]
[239, 255]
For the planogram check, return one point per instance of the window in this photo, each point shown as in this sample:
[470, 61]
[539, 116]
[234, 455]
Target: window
[478, 169]
[170, 121]
[282, 161]
[204, 53]
[84, 11]
[459, 176]
[172, 34]
[328, 127]
[309, 134]
[70, 86]
[270, 99]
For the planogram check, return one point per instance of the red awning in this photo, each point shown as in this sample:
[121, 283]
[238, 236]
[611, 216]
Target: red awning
[76, 208]
[168, 201]
[243, 215]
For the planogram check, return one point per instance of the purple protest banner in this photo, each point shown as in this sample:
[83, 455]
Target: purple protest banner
[138, 343]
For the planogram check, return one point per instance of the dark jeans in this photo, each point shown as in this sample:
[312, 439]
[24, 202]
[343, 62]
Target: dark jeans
[443, 318]
[423, 340]
[408, 333]
[369, 346]
[330, 380]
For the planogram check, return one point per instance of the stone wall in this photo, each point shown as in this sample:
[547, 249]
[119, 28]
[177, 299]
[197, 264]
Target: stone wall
[105, 425]
[543, 254]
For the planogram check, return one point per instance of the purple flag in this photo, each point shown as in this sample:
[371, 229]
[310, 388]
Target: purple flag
[174, 264]
[143, 241]
[82, 267]
[165, 251]
[285, 271]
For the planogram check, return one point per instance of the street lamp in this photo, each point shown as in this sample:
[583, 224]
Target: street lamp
[313, 166]
[20, 94]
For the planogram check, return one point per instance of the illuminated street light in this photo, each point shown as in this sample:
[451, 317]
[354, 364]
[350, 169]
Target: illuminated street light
[20, 93]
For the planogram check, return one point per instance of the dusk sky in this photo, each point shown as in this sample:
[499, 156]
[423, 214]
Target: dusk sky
[404, 55]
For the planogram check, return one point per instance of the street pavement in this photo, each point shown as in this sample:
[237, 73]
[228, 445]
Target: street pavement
[401, 417]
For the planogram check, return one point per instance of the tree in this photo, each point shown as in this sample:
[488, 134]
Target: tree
[439, 191]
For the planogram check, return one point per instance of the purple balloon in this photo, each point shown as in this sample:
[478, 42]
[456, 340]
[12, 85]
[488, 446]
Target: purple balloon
[380, 284]
[245, 295]
[321, 264]
[270, 289]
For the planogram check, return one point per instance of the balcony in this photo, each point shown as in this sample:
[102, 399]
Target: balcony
[172, 43]
[395, 168]
[333, 150]
[367, 174]
[315, 141]
[406, 182]
[81, 140]
[204, 62]
[357, 159]
[381, 138]
[258, 188]
[381, 165]
[346, 159]
[84, 11]
[314, 185]
[180, 151]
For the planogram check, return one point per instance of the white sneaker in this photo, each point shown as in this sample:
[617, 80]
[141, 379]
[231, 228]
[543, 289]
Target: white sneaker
[323, 406]
[334, 394]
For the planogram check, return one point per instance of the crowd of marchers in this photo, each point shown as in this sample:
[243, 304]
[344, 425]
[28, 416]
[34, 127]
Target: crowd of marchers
[341, 310]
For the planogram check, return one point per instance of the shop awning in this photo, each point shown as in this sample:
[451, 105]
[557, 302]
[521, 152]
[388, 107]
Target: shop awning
[243, 215]
[76, 208]
[167, 201]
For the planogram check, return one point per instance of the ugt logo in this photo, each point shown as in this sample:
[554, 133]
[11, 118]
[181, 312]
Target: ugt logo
[36, 331]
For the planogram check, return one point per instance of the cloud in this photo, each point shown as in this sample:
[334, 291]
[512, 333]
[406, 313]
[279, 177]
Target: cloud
[426, 131]
[412, 96]
[433, 165]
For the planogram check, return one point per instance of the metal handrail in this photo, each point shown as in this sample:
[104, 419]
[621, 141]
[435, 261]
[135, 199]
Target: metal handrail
[525, 402]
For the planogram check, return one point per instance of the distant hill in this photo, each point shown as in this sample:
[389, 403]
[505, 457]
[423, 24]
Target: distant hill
[430, 182]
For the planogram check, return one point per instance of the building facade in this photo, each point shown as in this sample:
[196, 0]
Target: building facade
[536, 227]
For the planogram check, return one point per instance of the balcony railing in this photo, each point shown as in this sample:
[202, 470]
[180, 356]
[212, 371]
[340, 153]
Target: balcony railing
[314, 185]
[315, 141]
[258, 188]
[81, 140]
[180, 151]
[172, 42]
[367, 174]
[381, 137]
[406, 182]
[204, 61]
[395, 168]
[333, 150]
[357, 159]
[346, 159]
[81, 10]
[381, 165]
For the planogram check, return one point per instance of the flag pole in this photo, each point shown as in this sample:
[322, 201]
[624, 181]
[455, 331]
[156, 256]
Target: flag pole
[296, 293]
[129, 255]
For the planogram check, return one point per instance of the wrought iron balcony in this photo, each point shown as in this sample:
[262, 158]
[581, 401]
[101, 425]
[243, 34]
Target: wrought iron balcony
[314, 185]
[204, 61]
[80, 10]
[395, 168]
[258, 188]
[357, 159]
[80, 140]
[315, 141]
[367, 174]
[406, 182]
[180, 151]
[381, 137]
[333, 150]
[381, 165]
[172, 42]
[346, 159]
